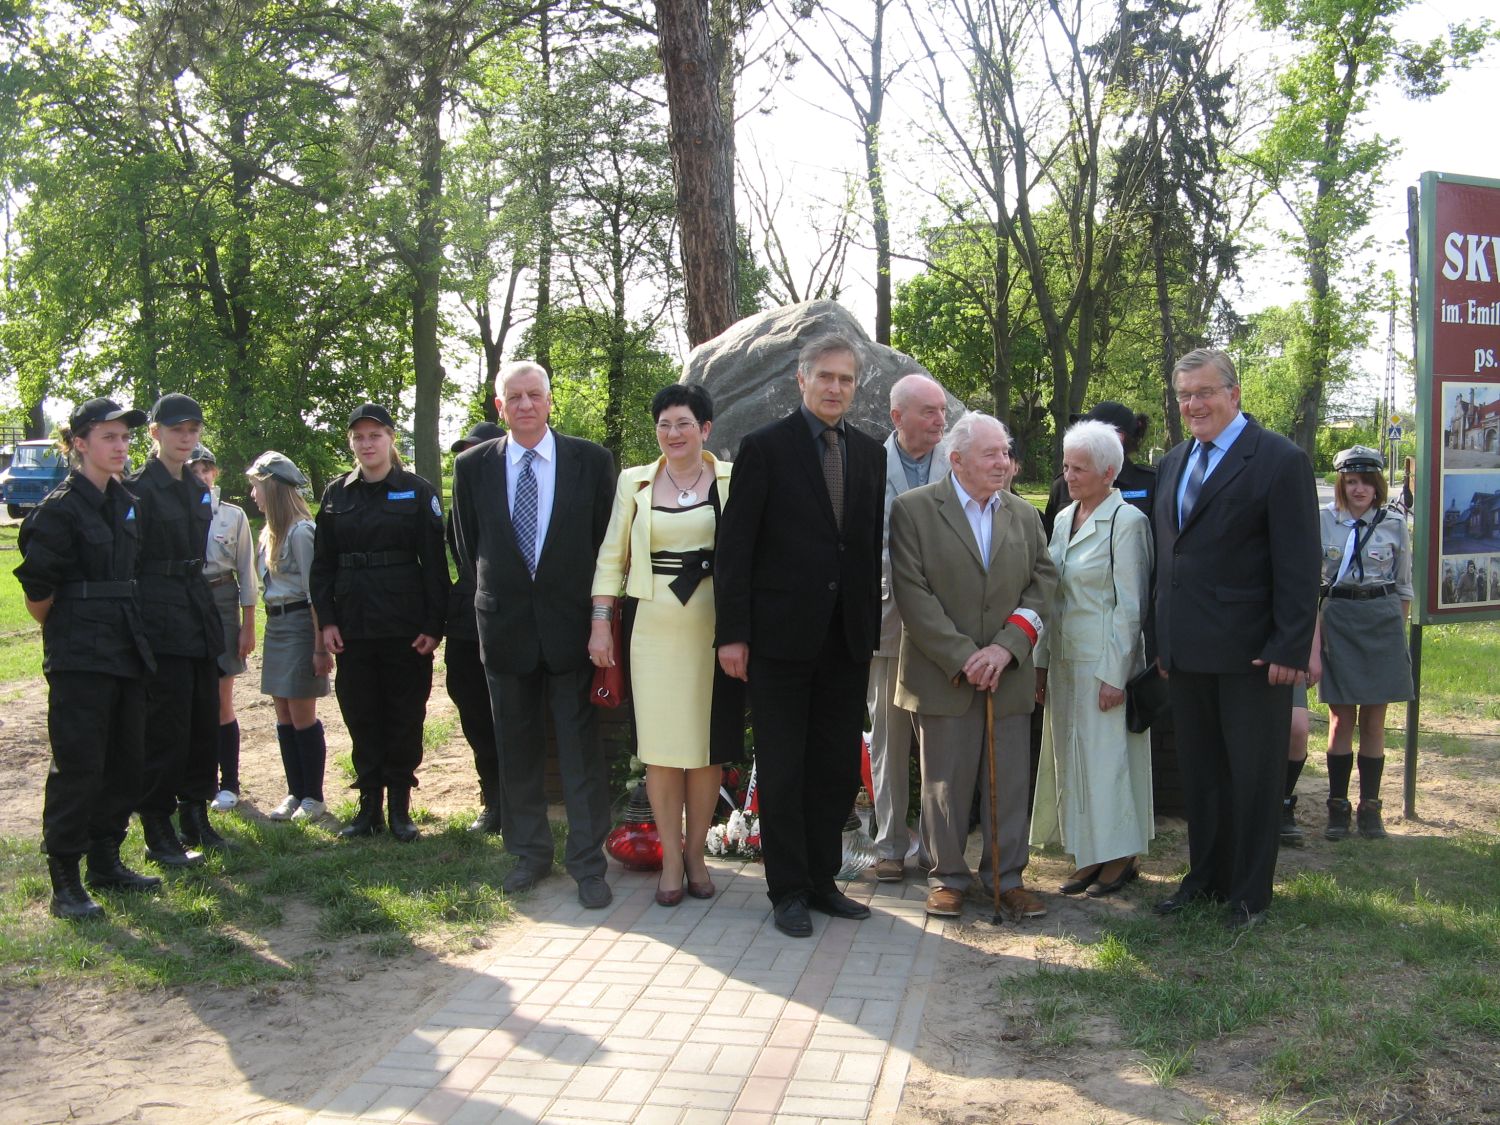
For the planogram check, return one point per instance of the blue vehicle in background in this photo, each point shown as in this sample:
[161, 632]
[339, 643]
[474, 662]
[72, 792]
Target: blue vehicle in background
[35, 469]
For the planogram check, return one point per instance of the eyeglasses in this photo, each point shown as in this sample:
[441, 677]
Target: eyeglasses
[1186, 397]
[671, 429]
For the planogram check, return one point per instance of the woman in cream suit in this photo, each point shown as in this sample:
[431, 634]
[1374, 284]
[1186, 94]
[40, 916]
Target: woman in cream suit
[659, 549]
[1093, 792]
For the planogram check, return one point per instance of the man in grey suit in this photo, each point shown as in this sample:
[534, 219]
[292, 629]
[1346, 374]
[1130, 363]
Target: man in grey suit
[530, 510]
[915, 454]
[972, 578]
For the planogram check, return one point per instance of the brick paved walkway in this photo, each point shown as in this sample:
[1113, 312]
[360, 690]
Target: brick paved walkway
[693, 1015]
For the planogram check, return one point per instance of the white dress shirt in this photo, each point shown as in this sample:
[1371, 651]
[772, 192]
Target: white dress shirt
[544, 466]
[981, 518]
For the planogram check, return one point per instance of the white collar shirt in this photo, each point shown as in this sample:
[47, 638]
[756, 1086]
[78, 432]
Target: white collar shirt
[544, 466]
[981, 518]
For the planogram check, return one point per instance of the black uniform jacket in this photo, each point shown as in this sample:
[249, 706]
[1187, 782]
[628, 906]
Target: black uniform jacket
[78, 536]
[379, 566]
[782, 566]
[176, 601]
[1137, 485]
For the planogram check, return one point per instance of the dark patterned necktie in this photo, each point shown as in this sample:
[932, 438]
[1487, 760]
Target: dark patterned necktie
[1195, 482]
[523, 519]
[1359, 553]
[833, 474]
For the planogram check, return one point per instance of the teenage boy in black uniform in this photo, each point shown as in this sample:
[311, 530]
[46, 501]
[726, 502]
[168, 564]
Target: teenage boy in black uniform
[78, 571]
[186, 635]
[380, 589]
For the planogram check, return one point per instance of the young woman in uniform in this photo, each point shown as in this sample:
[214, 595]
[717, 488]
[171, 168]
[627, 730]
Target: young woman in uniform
[79, 555]
[186, 636]
[1362, 630]
[380, 589]
[294, 666]
[229, 567]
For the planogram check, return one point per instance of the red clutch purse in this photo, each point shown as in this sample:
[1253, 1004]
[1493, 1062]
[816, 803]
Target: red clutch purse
[611, 688]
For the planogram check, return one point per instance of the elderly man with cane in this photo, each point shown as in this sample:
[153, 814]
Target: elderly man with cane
[972, 577]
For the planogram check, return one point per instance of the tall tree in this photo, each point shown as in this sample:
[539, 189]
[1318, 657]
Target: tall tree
[1329, 168]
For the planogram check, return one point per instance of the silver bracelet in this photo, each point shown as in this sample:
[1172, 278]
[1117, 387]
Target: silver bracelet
[603, 613]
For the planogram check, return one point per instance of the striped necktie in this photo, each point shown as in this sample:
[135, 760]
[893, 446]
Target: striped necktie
[1194, 483]
[523, 519]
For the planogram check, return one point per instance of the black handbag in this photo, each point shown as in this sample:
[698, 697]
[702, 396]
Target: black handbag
[1146, 699]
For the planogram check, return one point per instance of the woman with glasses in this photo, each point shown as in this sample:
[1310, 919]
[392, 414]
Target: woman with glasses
[659, 550]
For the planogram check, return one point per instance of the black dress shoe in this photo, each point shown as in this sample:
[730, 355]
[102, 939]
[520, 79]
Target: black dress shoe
[1129, 875]
[836, 904]
[791, 917]
[488, 821]
[522, 878]
[1241, 917]
[594, 892]
[1179, 901]
[1081, 883]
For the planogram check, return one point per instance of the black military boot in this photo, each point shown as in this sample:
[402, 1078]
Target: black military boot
[69, 899]
[107, 871]
[400, 807]
[1291, 834]
[162, 844]
[1338, 819]
[370, 820]
[1367, 818]
[197, 831]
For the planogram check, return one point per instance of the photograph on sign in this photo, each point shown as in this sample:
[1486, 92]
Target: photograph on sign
[1471, 513]
[1466, 580]
[1471, 424]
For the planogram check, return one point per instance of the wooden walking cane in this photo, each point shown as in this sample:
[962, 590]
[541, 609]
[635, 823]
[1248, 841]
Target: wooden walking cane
[989, 742]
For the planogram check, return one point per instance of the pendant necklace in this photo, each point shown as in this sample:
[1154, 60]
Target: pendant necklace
[685, 496]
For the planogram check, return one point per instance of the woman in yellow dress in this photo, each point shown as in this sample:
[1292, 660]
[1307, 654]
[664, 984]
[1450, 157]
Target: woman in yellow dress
[659, 551]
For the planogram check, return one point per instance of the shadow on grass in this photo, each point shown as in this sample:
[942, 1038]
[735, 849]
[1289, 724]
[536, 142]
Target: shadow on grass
[1364, 973]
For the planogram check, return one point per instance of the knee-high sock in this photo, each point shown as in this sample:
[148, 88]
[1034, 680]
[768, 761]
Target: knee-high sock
[291, 762]
[1370, 771]
[312, 751]
[229, 756]
[1293, 772]
[1340, 766]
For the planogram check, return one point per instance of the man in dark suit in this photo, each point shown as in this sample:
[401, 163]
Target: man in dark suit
[797, 592]
[530, 512]
[1236, 599]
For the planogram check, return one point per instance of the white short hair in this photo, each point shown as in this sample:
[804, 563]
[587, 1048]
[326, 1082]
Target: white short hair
[521, 367]
[905, 387]
[1099, 442]
[962, 435]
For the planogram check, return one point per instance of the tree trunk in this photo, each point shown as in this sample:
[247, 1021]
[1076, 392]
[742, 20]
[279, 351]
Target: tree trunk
[542, 331]
[427, 281]
[879, 214]
[703, 169]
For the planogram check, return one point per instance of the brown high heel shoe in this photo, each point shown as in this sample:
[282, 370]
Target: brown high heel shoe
[704, 889]
[668, 898]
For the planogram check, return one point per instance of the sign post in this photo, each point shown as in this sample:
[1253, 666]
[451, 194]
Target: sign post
[1456, 547]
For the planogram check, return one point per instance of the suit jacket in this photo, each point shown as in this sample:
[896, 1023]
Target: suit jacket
[951, 606]
[1239, 581]
[625, 555]
[782, 566]
[1103, 590]
[525, 622]
[895, 485]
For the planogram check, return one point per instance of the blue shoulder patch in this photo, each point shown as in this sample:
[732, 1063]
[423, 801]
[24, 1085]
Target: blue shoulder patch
[1133, 494]
[412, 495]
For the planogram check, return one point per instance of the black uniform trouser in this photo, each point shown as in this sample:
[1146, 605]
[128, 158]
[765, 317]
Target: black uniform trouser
[1232, 732]
[96, 723]
[519, 704]
[809, 717]
[182, 733]
[382, 687]
[470, 692]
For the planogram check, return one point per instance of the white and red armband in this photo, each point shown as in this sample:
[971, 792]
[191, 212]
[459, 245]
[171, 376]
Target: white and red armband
[1028, 622]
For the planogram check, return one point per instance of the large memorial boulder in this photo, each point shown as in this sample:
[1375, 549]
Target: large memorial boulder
[750, 369]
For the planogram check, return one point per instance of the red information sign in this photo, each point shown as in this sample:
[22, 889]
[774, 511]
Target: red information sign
[1466, 282]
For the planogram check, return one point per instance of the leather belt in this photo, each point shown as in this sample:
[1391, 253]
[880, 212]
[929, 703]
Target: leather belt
[1361, 593]
[121, 589]
[279, 608]
[172, 568]
[377, 558]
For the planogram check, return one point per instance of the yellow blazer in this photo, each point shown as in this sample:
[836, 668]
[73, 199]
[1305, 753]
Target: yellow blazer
[628, 537]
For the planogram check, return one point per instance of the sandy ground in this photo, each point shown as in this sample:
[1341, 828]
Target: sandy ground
[83, 1053]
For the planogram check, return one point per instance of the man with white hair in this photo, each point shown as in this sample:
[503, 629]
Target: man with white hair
[915, 454]
[972, 578]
